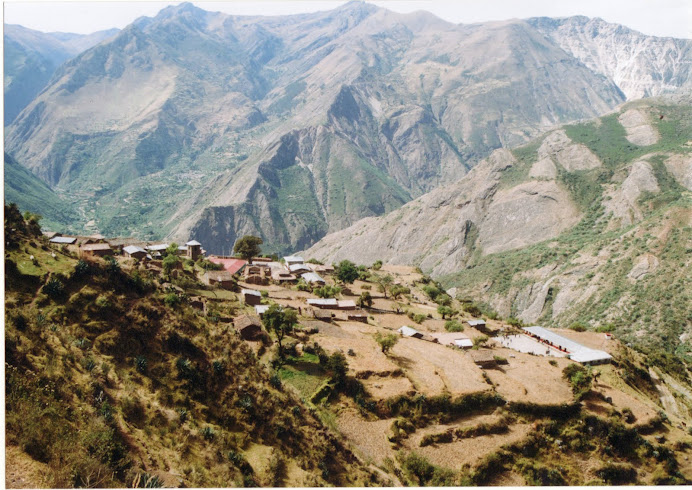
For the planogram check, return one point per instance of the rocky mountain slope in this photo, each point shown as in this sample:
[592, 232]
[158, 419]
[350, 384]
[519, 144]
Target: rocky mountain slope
[290, 127]
[31, 57]
[640, 65]
[591, 222]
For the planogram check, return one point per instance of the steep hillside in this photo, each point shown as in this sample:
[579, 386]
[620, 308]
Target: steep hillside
[30, 194]
[113, 379]
[209, 121]
[589, 223]
[31, 57]
[640, 65]
[124, 373]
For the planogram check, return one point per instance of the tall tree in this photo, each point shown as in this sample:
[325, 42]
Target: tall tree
[248, 247]
[347, 271]
[280, 321]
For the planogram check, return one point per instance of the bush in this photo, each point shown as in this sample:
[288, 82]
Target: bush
[386, 342]
[453, 326]
[580, 378]
[472, 309]
[171, 300]
[578, 327]
[54, 288]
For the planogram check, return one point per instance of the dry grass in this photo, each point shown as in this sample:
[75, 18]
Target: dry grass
[467, 451]
[368, 438]
[21, 471]
[436, 369]
[530, 378]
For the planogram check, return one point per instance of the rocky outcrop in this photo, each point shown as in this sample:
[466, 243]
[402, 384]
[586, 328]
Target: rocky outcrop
[680, 167]
[622, 200]
[557, 147]
[639, 130]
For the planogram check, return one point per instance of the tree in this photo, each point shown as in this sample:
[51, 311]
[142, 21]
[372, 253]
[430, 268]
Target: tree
[248, 247]
[169, 263]
[347, 271]
[396, 291]
[384, 283]
[338, 366]
[386, 342]
[171, 250]
[445, 311]
[280, 321]
[365, 299]
[377, 265]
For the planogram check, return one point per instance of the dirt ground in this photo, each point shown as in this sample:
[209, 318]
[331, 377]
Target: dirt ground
[530, 378]
[468, 451]
[593, 340]
[434, 368]
[21, 471]
[368, 438]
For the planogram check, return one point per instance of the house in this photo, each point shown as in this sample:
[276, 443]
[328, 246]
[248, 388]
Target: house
[483, 357]
[476, 323]
[576, 351]
[261, 310]
[463, 343]
[96, 250]
[347, 304]
[299, 268]
[222, 279]
[261, 260]
[63, 240]
[313, 278]
[251, 297]
[325, 316]
[326, 269]
[194, 249]
[233, 266]
[282, 276]
[249, 327]
[324, 303]
[293, 259]
[135, 252]
[410, 332]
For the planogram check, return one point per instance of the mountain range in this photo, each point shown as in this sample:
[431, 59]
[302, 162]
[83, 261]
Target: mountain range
[590, 223]
[200, 124]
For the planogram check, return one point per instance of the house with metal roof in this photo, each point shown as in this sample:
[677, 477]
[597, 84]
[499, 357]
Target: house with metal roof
[410, 332]
[313, 278]
[347, 304]
[134, 251]
[96, 250]
[63, 240]
[326, 303]
[293, 259]
[476, 323]
[261, 309]
[251, 297]
[463, 343]
[576, 351]
[299, 268]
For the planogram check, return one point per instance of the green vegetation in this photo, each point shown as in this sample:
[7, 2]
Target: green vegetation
[248, 247]
[386, 342]
[346, 271]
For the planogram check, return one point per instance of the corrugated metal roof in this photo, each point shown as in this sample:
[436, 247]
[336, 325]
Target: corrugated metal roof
[130, 249]
[577, 351]
[63, 239]
[298, 267]
[476, 323]
[251, 292]
[192, 243]
[294, 259]
[158, 247]
[463, 342]
[261, 309]
[312, 277]
[231, 265]
[408, 331]
[323, 302]
[347, 303]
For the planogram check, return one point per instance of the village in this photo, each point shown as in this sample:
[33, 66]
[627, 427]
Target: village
[443, 346]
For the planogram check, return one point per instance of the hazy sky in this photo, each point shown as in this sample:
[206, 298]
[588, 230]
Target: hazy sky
[654, 17]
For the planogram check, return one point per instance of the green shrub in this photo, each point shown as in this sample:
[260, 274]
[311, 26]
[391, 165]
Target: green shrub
[171, 300]
[578, 327]
[453, 326]
[54, 288]
[580, 379]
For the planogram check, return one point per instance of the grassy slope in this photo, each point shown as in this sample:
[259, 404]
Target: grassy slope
[30, 194]
[660, 303]
[106, 384]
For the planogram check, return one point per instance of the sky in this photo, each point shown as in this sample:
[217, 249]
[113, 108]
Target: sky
[653, 17]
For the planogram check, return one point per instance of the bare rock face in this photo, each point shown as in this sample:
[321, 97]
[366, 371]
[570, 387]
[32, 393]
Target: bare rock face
[543, 169]
[525, 214]
[680, 166]
[559, 148]
[645, 264]
[623, 200]
[640, 132]
[534, 296]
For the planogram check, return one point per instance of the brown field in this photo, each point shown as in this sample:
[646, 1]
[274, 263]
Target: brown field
[434, 368]
[468, 451]
[530, 378]
[593, 340]
[368, 438]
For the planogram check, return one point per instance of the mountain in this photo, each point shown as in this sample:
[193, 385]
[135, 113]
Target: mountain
[31, 57]
[30, 194]
[640, 65]
[589, 223]
[213, 126]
